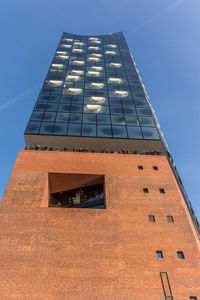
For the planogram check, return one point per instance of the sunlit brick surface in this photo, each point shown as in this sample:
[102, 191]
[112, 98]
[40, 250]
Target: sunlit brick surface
[69, 253]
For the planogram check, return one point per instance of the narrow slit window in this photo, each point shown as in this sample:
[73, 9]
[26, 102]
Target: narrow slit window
[152, 218]
[170, 219]
[180, 255]
[159, 254]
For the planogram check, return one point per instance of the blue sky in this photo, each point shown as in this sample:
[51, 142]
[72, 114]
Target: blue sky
[163, 37]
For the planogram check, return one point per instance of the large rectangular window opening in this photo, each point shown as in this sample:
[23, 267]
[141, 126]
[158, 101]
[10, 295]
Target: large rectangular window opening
[77, 191]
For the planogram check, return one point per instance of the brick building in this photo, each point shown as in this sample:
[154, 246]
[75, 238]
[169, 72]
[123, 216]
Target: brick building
[94, 207]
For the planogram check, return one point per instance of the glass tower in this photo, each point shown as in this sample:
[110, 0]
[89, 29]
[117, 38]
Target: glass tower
[92, 89]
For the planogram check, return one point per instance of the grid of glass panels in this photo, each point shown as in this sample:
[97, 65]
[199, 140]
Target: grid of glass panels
[92, 89]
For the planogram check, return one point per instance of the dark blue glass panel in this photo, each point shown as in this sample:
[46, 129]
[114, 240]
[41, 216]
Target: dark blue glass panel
[32, 127]
[60, 129]
[119, 131]
[62, 117]
[36, 116]
[74, 129]
[150, 133]
[134, 132]
[46, 128]
[104, 131]
[88, 130]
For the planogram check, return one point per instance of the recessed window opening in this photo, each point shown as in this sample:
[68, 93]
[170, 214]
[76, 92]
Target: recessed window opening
[93, 58]
[111, 46]
[145, 190]
[180, 255]
[114, 80]
[140, 167]
[93, 107]
[162, 191]
[97, 85]
[110, 52]
[170, 219]
[66, 46]
[98, 99]
[96, 55]
[159, 254]
[97, 68]
[62, 56]
[122, 93]
[152, 218]
[83, 197]
[79, 72]
[55, 82]
[116, 65]
[93, 48]
[193, 298]
[72, 77]
[59, 66]
[61, 52]
[79, 62]
[155, 168]
[77, 50]
[75, 91]
[68, 40]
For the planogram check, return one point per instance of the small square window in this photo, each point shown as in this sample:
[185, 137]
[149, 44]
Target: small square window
[193, 298]
[155, 168]
[159, 254]
[180, 254]
[170, 219]
[162, 191]
[145, 190]
[140, 167]
[152, 218]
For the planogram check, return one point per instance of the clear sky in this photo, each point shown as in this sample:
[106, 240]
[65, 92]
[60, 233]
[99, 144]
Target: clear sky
[163, 37]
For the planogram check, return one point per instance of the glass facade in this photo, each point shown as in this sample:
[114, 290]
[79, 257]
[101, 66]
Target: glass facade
[92, 89]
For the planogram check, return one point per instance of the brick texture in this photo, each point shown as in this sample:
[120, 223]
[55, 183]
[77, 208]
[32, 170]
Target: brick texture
[72, 253]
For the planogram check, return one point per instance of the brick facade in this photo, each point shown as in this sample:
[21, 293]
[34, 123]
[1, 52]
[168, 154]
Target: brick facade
[73, 253]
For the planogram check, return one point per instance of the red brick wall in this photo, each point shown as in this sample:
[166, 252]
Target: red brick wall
[69, 253]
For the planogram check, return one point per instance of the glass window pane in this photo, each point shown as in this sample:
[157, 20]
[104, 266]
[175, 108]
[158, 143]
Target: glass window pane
[144, 112]
[32, 127]
[104, 131]
[89, 118]
[49, 116]
[46, 128]
[118, 120]
[150, 133]
[88, 130]
[134, 132]
[116, 110]
[65, 107]
[103, 119]
[119, 131]
[36, 116]
[74, 129]
[76, 118]
[62, 117]
[60, 129]
[146, 121]
[52, 107]
[131, 120]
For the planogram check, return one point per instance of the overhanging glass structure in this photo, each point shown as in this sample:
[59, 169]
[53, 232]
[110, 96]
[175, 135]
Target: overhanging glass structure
[92, 89]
